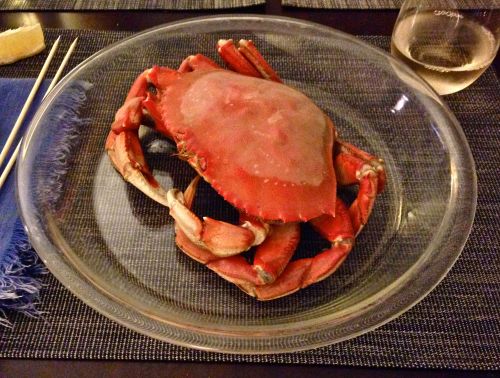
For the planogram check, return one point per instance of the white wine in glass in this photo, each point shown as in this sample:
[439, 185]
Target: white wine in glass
[447, 48]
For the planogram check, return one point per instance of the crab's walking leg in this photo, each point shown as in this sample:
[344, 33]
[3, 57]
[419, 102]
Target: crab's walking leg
[377, 164]
[304, 272]
[220, 238]
[275, 253]
[197, 62]
[354, 166]
[272, 275]
[122, 143]
[277, 244]
[271, 258]
[246, 59]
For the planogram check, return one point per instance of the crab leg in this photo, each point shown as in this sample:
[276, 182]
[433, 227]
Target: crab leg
[197, 62]
[304, 272]
[354, 166]
[246, 59]
[376, 163]
[271, 257]
[277, 244]
[220, 238]
[275, 253]
[248, 49]
[123, 147]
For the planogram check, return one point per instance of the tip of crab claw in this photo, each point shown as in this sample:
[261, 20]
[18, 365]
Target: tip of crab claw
[152, 190]
[244, 42]
[247, 288]
[264, 276]
[222, 42]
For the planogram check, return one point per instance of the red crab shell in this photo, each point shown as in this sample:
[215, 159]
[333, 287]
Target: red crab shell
[265, 147]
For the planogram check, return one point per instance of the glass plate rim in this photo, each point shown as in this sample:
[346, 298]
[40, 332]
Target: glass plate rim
[457, 129]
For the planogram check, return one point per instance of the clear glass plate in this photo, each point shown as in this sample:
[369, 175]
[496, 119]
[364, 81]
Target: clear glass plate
[114, 248]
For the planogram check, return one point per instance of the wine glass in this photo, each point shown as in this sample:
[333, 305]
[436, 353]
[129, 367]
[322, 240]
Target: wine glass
[449, 48]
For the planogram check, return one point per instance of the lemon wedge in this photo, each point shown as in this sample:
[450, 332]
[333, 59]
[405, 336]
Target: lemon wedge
[20, 43]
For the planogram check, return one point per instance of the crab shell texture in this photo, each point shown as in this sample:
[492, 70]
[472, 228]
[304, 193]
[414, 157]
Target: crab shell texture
[263, 146]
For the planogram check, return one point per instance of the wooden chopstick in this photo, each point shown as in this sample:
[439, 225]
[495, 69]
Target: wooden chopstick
[28, 102]
[12, 160]
[61, 67]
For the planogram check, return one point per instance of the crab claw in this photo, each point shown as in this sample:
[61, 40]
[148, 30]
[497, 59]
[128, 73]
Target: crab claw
[123, 147]
[272, 275]
[200, 240]
[272, 257]
[126, 155]
[303, 272]
[220, 238]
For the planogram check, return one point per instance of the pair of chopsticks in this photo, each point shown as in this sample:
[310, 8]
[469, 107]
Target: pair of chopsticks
[22, 115]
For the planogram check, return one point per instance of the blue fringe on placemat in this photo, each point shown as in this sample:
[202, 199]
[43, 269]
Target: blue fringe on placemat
[20, 267]
[20, 270]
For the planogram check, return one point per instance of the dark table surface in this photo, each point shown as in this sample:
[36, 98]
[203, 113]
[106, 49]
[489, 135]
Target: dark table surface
[359, 22]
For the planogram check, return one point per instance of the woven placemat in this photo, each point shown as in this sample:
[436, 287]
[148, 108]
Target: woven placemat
[383, 4]
[83, 5]
[456, 326]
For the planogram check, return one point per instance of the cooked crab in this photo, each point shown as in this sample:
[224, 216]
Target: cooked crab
[267, 149]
